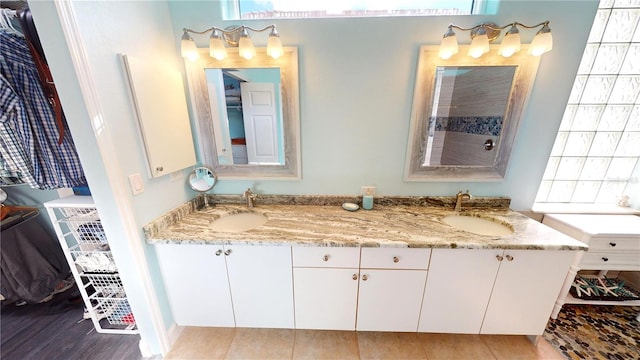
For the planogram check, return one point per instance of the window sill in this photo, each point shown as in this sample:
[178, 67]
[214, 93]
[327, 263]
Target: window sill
[557, 208]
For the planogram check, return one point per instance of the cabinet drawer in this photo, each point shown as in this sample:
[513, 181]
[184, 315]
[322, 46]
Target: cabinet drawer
[340, 257]
[394, 258]
[614, 244]
[611, 260]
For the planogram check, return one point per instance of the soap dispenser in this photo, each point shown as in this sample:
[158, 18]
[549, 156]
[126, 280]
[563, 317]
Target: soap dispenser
[367, 197]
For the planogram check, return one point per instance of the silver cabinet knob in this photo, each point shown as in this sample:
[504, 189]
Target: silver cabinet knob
[396, 259]
[365, 277]
[499, 257]
[219, 252]
[325, 258]
[509, 258]
[355, 277]
[228, 252]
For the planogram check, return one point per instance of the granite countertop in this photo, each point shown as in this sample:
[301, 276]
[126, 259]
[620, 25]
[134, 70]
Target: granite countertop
[320, 221]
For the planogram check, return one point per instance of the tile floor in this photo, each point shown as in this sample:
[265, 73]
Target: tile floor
[240, 343]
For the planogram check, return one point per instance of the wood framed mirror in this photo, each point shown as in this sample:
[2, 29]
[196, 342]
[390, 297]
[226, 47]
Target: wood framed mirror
[465, 114]
[271, 140]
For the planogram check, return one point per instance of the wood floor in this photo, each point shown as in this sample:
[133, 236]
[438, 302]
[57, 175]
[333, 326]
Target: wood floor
[29, 332]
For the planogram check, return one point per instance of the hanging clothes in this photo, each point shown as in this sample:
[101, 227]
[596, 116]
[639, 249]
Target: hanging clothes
[28, 129]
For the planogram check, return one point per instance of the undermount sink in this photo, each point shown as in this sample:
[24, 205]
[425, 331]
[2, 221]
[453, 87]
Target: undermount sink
[478, 225]
[238, 222]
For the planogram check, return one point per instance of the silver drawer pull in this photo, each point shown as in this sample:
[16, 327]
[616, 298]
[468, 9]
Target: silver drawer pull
[396, 259]
[228, 252]
[605, 259]
[325, 258]
[219, 252]
[613, 244]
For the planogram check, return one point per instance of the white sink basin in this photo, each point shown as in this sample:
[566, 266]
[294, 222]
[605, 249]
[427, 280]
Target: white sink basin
[477, 225]
[238, 222]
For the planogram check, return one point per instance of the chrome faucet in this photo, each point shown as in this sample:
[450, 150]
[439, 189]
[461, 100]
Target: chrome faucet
[250, 196]
[460, 196]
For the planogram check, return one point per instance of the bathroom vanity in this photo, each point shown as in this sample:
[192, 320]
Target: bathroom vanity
[398, 267]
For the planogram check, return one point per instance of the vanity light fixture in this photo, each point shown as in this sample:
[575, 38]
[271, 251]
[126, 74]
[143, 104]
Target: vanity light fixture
[483, 34]
[236, 36]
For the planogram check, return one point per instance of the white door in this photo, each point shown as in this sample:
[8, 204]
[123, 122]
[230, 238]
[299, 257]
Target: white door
[458, 290]
[525, 291]
[260, 122]
[325, 298]
[390, 300]
[261, 284]
[196, 282]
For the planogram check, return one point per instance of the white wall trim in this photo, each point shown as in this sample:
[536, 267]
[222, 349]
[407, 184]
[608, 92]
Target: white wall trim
[106, 148]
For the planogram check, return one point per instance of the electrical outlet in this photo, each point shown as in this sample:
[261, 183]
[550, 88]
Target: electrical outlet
[367, 190]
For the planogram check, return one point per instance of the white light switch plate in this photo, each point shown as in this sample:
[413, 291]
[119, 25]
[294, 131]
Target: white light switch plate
[137, 187]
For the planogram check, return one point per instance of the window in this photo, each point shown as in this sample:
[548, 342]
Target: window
[291, 9]
[598, 144]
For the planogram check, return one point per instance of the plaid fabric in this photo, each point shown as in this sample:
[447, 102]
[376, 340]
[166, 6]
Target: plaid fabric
[29, 136]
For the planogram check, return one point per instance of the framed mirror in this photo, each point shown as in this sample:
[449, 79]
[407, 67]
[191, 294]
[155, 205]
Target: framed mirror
[247, 114]
[465, 114]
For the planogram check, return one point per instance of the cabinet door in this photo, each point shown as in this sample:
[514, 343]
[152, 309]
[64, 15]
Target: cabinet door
[195, 279]
[458, 290]
[525, 291]
[325, 298]
[261, 284]
[390, 300]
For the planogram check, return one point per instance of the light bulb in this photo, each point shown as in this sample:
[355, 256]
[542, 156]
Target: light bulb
[511, 42]
[216, 46]
[274, 45]
[449, 45]
[542, 42]
[245, 46]
[188, 48]
[479, 45]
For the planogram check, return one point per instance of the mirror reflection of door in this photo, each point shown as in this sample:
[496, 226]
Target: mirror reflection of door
[468, 110]
[249, 128]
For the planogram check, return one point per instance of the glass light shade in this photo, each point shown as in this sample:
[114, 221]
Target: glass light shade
[245, 48]
[188, 48]
[542, 42]
[274, 46]
[479, 46]
[510, 44]
[448, 46]
[217, 49]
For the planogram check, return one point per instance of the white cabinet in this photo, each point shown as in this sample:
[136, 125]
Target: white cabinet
[261, 285]
[392, 283]
[525, 291]
[492, 291]
[244, 286]
[195, 277]
[387, 296]
[326, 287]
[614, 244]
[458, 290]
